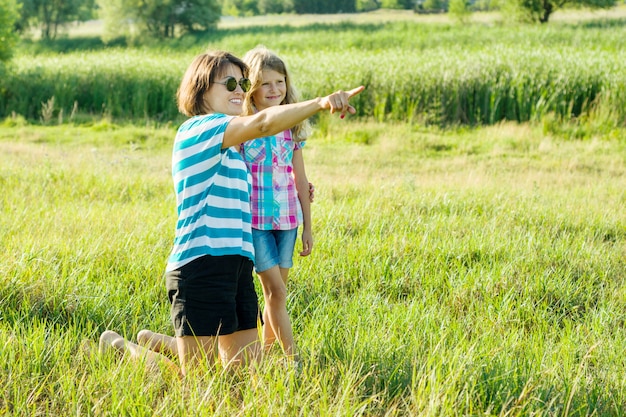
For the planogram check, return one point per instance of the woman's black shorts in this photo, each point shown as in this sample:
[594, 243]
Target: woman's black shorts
[213, 295]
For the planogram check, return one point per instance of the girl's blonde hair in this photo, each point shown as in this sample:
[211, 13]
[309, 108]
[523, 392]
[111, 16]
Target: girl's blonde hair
[200, 75]
[259, 59]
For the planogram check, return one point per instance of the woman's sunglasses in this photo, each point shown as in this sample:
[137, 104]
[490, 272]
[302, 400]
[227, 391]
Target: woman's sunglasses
[231, 84]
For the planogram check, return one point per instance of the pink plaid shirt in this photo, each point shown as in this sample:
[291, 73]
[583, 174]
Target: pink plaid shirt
[274, 200]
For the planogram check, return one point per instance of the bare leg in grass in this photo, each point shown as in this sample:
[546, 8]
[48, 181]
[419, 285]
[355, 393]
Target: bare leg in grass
[229, 347]
[153, 360]
[158, 342]
[277, 323]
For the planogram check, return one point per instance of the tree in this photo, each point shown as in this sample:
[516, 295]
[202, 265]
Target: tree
[117, 17]
[240, 7]
[50, 15]
[459, 9]
[324, 6]
[366, 5]
[156, 18]
[196, 15]
[275, 6]
[9, 13]
[540, 10]
[397, 4]
[432, 6]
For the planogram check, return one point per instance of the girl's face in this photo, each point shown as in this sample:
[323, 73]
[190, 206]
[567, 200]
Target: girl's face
[272, 91]
[219, 99]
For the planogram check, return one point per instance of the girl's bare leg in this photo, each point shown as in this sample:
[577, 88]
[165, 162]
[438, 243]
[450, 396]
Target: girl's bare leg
[277, 322]
[158, 342]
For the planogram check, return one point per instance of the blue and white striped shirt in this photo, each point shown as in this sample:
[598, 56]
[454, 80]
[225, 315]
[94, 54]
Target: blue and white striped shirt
[212, 193]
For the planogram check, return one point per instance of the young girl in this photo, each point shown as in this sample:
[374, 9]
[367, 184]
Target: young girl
[214, 307]
[280, 194]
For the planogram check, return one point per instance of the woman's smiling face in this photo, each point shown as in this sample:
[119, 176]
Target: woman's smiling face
[219, 99]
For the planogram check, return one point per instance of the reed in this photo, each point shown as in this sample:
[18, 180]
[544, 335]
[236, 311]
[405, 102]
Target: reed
[431, 73]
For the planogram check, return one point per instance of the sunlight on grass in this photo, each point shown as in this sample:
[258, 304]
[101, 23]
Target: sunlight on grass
[455, 272]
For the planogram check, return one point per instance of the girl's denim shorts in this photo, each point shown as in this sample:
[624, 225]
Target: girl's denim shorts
[273, 247]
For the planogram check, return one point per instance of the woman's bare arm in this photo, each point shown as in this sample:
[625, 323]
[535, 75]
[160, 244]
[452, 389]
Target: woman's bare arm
[275, 119]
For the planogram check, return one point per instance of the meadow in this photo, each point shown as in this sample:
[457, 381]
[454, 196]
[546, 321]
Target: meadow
[431, 73]
[464, 269]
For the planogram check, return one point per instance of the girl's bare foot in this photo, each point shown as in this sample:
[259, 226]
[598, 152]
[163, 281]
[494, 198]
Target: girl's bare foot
[111, 340]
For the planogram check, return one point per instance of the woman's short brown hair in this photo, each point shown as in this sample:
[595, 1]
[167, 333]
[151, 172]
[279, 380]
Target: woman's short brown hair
[199, 77]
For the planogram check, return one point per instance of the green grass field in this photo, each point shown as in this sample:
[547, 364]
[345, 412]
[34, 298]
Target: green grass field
[463, 272]
[457, 271]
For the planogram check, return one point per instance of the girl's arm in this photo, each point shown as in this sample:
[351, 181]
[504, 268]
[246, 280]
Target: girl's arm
[275, 119]
[302, 185]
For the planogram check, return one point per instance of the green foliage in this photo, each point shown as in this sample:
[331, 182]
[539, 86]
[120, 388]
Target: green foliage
[112, 83]
[539, 11]
[366, 5]
[275, 6]
[529, 11]
[15, 120]
[240, 7]
[196, 15]
[135, 19]
[51, 16]
[459, 10]
[9, 13]
[487, 5]
[397, 4]
[324, 6]
[436, 6]
[115, 15]
[433, 74]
